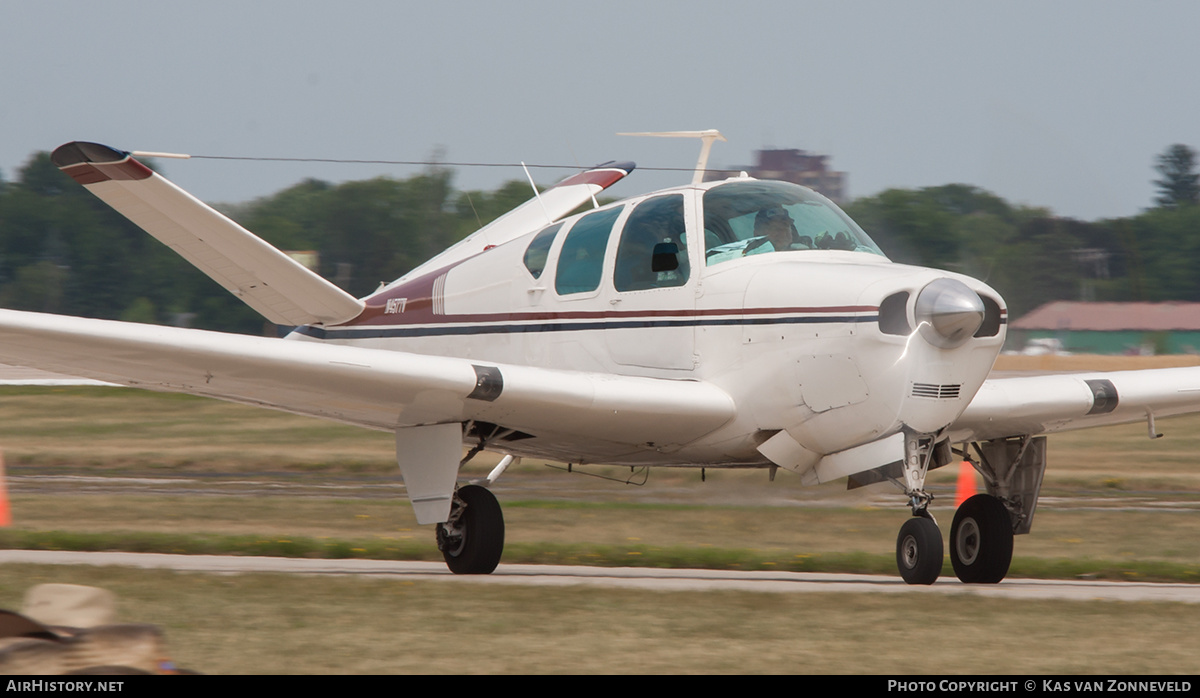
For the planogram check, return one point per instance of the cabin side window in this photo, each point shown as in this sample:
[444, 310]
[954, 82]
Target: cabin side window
[653, 248]
[539, 250]
[581, 259]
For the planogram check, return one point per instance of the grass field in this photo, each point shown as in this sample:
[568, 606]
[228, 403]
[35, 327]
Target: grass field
[1092, 362]
[300, 625]
[111, 468]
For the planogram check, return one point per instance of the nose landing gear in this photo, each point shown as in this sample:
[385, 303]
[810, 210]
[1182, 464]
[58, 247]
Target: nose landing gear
[919, 550]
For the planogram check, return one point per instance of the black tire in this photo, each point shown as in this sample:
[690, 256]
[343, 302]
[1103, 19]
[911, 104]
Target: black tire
[919, 551]
[981, 540]
[476, 545]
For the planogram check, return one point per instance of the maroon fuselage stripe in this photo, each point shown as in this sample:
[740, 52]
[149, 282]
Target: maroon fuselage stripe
[419, 312]
[92, 172]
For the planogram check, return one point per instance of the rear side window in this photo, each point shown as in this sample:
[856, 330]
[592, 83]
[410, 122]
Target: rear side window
[581, 260]
[655, 223]
[539, 249]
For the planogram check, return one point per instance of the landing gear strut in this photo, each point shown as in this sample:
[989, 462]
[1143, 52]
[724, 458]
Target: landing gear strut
[472, 540]
[919, 545]
[981, 540]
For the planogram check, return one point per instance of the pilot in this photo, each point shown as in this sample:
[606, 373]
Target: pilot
[775, 232]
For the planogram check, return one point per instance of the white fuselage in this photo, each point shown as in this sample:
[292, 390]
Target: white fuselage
[794, 337]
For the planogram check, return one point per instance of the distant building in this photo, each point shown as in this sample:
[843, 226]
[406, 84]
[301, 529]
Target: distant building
[797, 166]
[1112, 328]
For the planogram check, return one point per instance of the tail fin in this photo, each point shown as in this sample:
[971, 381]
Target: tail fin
[552, 204]
[272, 283]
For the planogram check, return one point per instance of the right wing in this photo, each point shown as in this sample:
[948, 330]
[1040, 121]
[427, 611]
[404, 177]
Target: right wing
[1046, 404]
[274, 284]
[547, 207]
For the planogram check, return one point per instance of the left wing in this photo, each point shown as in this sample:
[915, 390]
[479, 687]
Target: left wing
[423, 399]
[1061, 402]
[367, 387]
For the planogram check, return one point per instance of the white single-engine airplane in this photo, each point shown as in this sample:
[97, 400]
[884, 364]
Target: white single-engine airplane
[731, 324]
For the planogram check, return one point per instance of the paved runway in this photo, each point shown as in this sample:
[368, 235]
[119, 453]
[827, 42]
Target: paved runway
[19, 375]
[624, 577]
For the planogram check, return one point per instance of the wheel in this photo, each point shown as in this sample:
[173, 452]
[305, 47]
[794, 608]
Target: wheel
[981, 540]
[473, 539]
[919, 551]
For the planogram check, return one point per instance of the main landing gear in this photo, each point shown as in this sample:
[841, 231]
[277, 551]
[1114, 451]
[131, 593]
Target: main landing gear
[981, 540]
[472, 540]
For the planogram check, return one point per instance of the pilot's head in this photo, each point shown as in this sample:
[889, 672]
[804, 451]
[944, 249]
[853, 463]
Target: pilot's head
[775, 223]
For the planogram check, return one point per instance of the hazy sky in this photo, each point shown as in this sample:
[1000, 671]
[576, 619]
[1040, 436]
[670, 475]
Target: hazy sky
[1062, 104]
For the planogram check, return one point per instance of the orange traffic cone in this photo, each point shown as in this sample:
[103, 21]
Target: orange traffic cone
[5, 512]
[966, 484]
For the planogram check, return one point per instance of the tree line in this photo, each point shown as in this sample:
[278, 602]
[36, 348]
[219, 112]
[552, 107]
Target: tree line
[1033, 257]
[62, 250]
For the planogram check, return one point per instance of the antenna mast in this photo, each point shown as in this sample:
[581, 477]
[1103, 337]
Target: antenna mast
[706, 140]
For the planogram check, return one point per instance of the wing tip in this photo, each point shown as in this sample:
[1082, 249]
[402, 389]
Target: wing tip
[603, 175]
[89, 163]
[627, 166]
[80, 152]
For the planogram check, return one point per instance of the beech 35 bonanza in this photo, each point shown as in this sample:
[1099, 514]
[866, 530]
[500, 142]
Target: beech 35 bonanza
[730, 324]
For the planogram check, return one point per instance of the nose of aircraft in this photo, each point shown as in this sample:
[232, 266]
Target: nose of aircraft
[948, 313]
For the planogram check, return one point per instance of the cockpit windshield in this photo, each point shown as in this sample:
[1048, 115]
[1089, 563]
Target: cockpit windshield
[755, 217]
